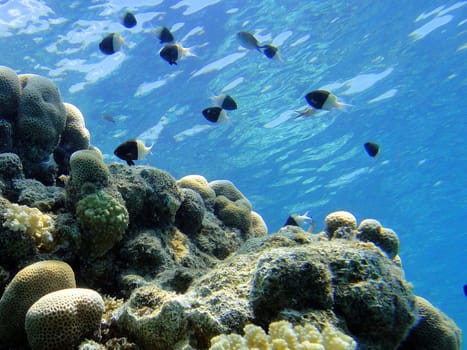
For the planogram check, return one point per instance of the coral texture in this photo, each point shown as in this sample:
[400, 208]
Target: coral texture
[41, 118]
[433, 330]
[62, 319]
[103, 221]
[339, 219]
[190, 215]
[283, 335]
[28, 286]
[199, 184]
[31, 221]
[10, 91]
[74, 137]
[87, 166]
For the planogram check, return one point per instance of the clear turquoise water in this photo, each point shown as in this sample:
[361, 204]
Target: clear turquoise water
[402, 67]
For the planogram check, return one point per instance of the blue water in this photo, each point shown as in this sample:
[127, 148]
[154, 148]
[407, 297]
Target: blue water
[402, 67]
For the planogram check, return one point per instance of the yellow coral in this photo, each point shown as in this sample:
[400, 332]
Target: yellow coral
[284, 336]
[31, 221]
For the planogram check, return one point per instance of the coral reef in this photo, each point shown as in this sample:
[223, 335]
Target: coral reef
[190, 259]
[62, 319]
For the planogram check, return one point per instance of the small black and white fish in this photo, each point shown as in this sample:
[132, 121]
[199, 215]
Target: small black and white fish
[270, 51]
[129, 20]
[323, 99]
[298, 220]
[111, 43]
[173, 52]
[131, 150]
[371, 148]
[248, 40]
[215, 114]
[164, 35]
[225, 102]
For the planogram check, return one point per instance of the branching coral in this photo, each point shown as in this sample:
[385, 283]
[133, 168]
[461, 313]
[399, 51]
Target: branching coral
[31, 221]
[283, 335]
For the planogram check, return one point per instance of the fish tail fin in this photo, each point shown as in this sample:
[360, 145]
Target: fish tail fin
[343, 106]
[189, 51]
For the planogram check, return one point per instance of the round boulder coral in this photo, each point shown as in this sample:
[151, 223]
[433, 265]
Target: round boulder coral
[74, 137]
[41, 118]
[62, 319]
[28, 286]
[433, 331]
[189, 218]
[339, 219]
[103, 220]
[199, 184]
[9, 93]
[86, 167]
[386, 239]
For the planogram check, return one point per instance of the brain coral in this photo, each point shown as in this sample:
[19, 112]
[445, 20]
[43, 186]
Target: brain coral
[103, 220]
[41, 118]
[61, 319]
[10, 91]
[433, 331]
[87, 166]
[283, 335]
[28, 286]
[227, 189]
[74, 137]
[235, 214]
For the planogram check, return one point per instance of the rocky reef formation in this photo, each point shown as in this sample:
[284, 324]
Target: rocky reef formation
[119, 257]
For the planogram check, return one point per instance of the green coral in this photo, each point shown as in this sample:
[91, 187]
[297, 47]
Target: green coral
[103, 220]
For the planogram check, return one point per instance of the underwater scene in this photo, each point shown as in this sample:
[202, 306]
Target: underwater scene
[231, 174]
